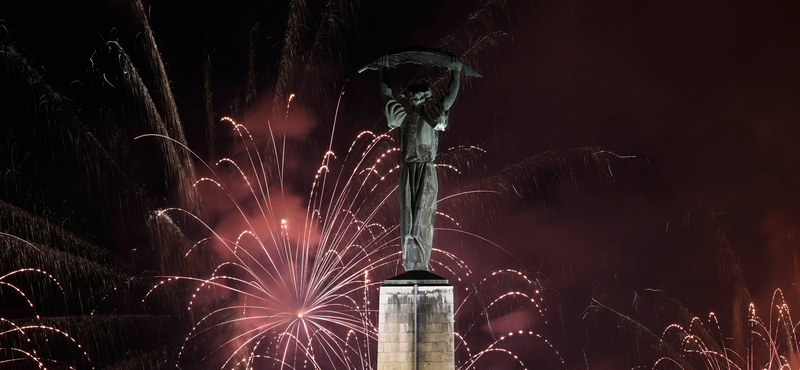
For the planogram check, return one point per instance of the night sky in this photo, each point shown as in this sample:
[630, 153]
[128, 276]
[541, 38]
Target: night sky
[646, 144]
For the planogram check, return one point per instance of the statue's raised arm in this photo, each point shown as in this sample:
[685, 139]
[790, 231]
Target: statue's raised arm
[455, 83]
[440, 112]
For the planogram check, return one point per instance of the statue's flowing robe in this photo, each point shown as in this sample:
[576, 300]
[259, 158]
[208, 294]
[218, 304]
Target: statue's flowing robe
[419, 184]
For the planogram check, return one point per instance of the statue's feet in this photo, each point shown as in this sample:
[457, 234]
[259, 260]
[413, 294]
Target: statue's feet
[416, 266]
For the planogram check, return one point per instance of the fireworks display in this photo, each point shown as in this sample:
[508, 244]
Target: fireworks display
[214, 187]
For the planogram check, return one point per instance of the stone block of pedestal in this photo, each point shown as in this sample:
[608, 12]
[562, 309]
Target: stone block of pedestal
[415, 324]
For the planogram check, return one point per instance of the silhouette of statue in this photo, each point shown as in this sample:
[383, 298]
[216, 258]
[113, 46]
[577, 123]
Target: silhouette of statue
[418, 129]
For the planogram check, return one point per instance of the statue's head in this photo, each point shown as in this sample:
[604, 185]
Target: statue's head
[417, 94]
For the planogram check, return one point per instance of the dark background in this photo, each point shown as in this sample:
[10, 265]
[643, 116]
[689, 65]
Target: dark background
[663, 135]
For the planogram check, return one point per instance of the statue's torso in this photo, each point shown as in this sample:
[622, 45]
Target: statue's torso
[419, 141]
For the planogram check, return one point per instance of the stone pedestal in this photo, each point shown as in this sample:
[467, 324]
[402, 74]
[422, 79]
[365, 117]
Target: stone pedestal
[431, 316]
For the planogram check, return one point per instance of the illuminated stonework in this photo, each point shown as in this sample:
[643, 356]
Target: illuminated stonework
[432, 341]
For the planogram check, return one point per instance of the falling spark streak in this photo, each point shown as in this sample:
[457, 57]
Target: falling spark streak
[23, 330]
[770, 345]
[481, 238]
[21, 240]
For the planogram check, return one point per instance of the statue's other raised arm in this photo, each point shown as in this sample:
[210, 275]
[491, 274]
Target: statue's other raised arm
[455, 83]
[440, 111]
[394, 111]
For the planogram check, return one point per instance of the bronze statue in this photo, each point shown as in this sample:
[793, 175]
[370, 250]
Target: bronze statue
[418, 130]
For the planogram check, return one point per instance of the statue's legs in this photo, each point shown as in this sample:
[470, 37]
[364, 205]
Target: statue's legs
[418, 189]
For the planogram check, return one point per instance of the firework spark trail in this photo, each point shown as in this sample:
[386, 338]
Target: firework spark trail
[21, 292]
[39, 250]
[94, 160]
[177, 161]
[468, 41]
[334, 229]
[701, 344]
[324, 169]
[297, 14]
[493, 348]
[532, 297]
[250, 89]
[288, 259]
[303, 52]
[209, 107]
[172, 158]
[514, 274]
[20, 335]
[85, 260]
[230, 195]
[31, 230]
